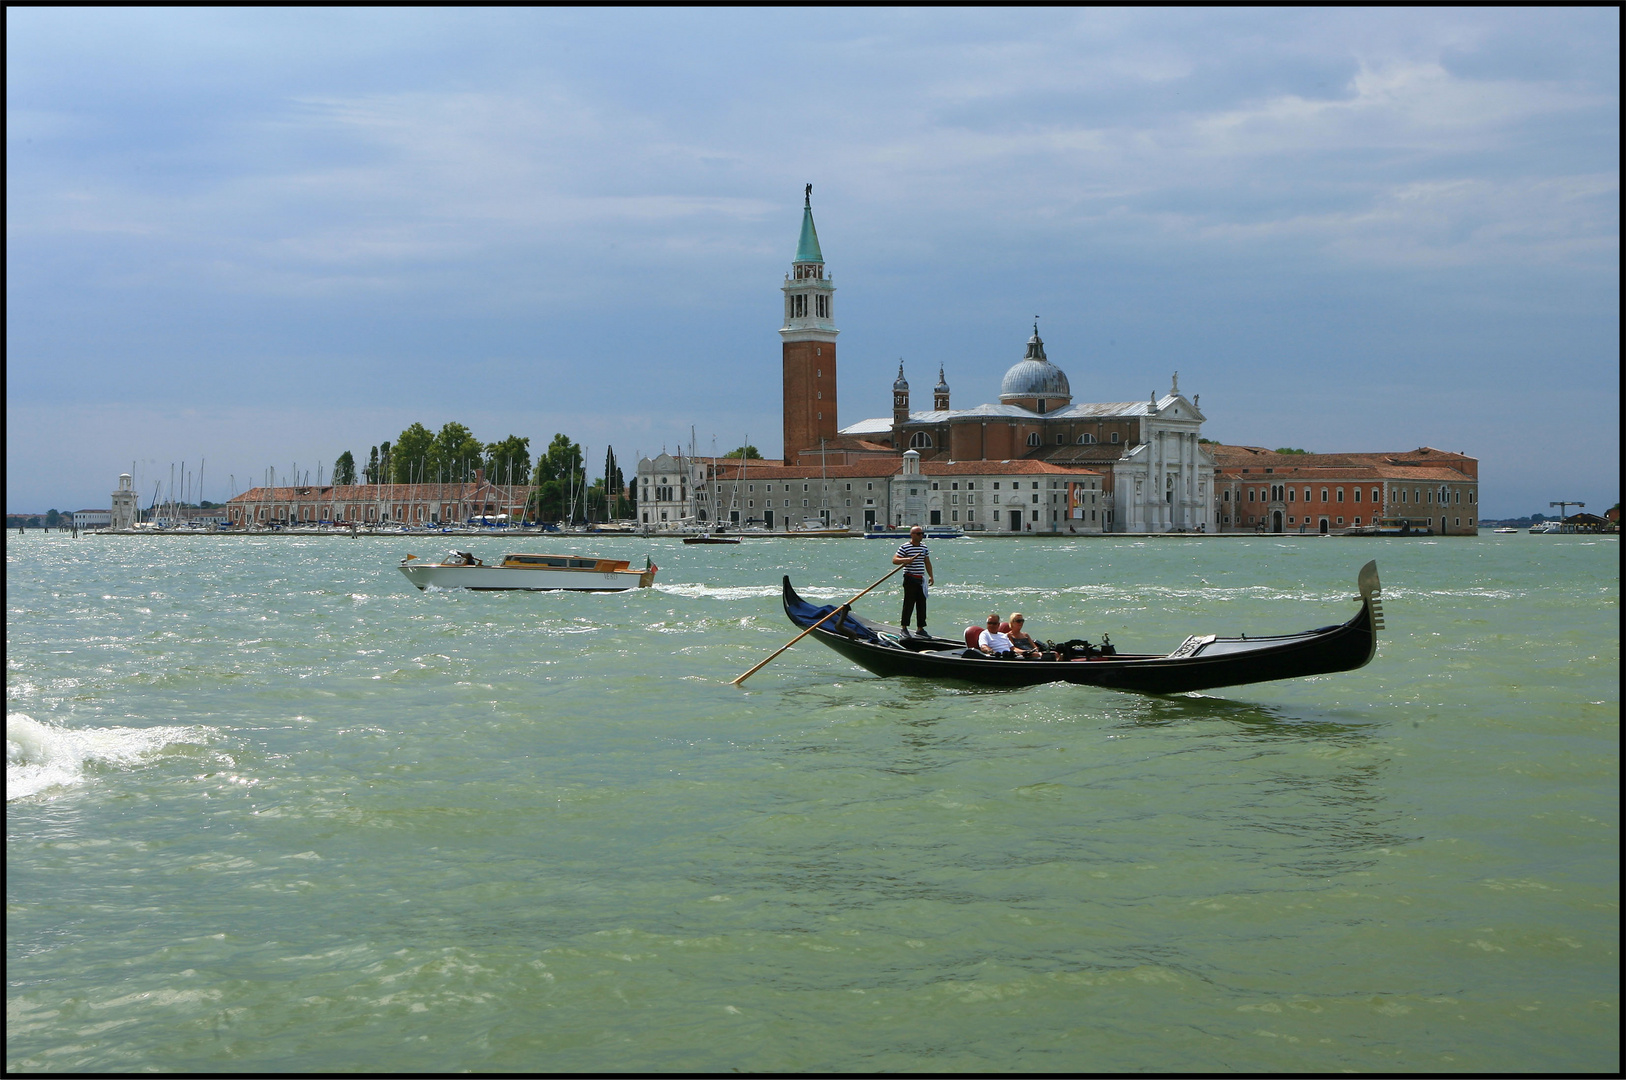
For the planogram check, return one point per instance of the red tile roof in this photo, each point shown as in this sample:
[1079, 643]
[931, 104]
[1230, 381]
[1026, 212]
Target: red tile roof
[1424, 463]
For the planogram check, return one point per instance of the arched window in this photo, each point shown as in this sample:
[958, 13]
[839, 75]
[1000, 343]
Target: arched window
[1033, 438]
[1086, 439]
[920, 441]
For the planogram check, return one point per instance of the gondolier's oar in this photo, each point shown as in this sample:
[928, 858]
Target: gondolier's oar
[815, 626]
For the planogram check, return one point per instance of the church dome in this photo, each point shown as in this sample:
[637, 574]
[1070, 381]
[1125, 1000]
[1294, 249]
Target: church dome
[900, 383]
[1034, 375]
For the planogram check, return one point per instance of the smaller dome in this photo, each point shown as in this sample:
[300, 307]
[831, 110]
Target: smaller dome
[1034, 375]
[901, 383]
[942, 383]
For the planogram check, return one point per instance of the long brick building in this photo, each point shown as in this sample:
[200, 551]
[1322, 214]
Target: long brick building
[376, 504]
[1263, 491]
[1025, 496]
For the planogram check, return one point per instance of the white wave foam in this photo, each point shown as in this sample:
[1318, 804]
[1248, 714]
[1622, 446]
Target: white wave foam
[696, 591]
[42, 756]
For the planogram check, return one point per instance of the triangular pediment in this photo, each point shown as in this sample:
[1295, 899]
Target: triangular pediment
[1176, 407]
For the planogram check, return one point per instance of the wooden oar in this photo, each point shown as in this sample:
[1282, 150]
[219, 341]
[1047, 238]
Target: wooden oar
[814, 627]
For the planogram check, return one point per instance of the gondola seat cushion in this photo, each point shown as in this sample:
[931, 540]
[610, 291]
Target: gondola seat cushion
[973, 634]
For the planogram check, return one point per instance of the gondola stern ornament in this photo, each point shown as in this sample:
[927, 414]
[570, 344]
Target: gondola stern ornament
[1371, 592]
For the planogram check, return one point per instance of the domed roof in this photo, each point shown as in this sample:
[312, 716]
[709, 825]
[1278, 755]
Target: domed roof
[1034, 375]
[942, 386]
[901, 383]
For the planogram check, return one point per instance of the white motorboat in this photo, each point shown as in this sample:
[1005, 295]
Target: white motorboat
[534, 573]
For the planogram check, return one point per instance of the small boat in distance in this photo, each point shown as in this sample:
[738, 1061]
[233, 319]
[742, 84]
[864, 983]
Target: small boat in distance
[933, 532]
[1505, 530]
[529, 573]
[707, 538]
[1391, 527]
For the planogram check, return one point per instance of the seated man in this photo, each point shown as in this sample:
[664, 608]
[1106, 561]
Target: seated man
[1022, 645]
[992, 642]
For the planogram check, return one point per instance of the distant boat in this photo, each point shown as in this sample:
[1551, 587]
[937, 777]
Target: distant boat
[1505, 529]
[1391, 527]
[530, 573]
[707, 538]
[933, 532]
[833, 533]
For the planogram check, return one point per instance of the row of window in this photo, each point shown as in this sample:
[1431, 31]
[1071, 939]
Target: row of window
[1283, 493]
[664, 494]
[1291, 520]
[922, 440]
[448, 512]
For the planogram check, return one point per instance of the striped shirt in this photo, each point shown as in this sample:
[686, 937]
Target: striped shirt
[916, 553]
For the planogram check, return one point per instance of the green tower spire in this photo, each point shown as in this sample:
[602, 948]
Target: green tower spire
[807, 248]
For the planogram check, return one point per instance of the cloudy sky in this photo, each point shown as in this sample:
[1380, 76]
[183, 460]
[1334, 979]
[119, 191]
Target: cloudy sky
[266, 237]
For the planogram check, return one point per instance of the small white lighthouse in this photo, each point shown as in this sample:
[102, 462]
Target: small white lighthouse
[124, 503]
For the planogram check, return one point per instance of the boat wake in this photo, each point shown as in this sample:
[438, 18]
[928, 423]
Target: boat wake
[40, 757]
[695, 591]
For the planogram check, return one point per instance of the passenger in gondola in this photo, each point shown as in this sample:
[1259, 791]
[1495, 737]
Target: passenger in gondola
[1023, 645]
[993, 643]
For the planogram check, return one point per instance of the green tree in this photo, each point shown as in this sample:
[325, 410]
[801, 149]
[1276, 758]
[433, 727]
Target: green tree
[618, 507]
[410, 458]
[344, 469]
[453, 455]
[606, 498]
[509, 461]
[746, 451]
[557, 473]
[52, 518]
[1289, 450]
[372, 467]
[385, 475]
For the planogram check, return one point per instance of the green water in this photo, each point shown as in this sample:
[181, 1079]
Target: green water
[271, 809]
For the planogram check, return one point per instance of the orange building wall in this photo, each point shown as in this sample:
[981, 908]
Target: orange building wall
[809, 372]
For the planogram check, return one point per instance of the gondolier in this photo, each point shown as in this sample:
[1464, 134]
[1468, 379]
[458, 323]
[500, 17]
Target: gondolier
[917, 574]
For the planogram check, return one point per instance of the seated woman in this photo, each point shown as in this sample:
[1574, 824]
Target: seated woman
[1022, 645]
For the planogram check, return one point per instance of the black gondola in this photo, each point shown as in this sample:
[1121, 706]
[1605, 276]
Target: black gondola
[1200, 663]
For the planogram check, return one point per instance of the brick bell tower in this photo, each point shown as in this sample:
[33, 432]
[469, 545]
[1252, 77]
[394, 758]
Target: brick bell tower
[809, 344]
